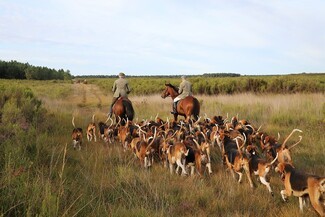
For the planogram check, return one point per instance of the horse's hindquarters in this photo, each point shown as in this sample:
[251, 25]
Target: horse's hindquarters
[123, 109]
[189, 106]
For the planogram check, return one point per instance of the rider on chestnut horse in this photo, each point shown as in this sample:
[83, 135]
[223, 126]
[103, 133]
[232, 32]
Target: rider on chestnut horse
[187, 105]
[185, 89]
[121, 89]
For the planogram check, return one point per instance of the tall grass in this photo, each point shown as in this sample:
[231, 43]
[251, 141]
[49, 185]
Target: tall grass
[41, 174]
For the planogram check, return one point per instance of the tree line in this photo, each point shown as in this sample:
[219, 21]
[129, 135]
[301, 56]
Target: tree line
[16, 70]
[224, 74]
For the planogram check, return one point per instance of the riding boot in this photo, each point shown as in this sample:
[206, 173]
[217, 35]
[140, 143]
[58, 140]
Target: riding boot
[111, 108]
[174, 112]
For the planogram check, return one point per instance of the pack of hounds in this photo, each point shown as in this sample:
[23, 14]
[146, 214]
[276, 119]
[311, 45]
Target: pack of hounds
[185, 148]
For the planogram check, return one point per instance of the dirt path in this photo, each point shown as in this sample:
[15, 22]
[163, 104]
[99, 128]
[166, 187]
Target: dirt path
[88, 93]
[89, 99]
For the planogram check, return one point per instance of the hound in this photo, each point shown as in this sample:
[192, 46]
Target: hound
[91, 130]
[204, 146]
[273, 148]
[197, 155]
[143, 150]
[76, 136]
[300, 184]
[213, 135]
[102, 127]
[106, 132]
[136, 140]
[259, 166]
[124, 135]
[176, 154]
[236, 161]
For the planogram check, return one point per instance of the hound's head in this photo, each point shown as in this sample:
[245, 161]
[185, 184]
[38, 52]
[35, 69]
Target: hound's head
[283, 168]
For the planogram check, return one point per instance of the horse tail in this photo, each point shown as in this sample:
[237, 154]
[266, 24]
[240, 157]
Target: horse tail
[196, 108]
[129, 111]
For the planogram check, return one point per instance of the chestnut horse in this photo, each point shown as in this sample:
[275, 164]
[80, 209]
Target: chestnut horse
[185, 107]
[123, 110]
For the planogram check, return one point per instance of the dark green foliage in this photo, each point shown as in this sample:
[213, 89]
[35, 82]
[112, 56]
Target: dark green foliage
[23, 133]
[17, 70]
[221, 75]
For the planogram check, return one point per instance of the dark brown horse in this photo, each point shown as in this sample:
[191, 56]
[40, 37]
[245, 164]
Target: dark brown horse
[123, 110]
[186, 107]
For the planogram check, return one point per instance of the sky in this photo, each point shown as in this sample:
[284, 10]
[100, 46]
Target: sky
[165, 37]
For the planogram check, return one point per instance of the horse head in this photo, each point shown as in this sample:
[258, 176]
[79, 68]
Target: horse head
[170, 90]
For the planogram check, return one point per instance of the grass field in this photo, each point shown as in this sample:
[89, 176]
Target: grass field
[42, 175]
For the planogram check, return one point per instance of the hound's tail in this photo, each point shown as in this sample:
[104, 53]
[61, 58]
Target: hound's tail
[73, 122]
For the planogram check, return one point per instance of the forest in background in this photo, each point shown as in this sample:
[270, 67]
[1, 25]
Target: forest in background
[16, 70]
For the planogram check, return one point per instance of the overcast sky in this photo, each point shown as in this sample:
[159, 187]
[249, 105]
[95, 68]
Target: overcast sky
[165, 37]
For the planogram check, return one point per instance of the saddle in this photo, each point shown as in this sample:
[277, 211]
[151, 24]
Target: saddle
[120, 98]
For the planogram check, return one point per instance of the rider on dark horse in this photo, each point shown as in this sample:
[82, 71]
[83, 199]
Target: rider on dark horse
[120, 88]
[185, 89]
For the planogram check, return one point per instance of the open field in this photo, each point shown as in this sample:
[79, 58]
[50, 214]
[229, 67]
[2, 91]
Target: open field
[41, 174]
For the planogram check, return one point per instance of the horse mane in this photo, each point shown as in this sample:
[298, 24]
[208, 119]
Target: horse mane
[172, 86]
